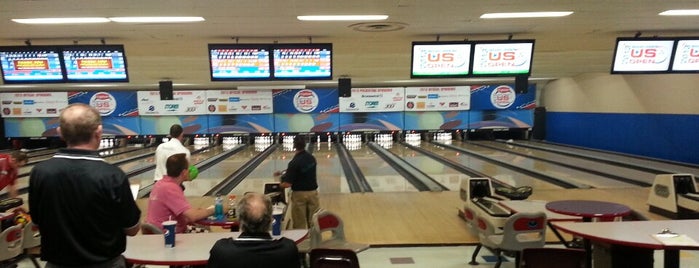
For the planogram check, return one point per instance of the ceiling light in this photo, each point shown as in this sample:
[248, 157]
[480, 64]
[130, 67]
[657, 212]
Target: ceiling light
[525, 15]
[60, 20]
[680, 12]
[342, 17]
[155, 19]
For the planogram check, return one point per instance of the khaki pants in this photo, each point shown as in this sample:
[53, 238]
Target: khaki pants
[303, 205]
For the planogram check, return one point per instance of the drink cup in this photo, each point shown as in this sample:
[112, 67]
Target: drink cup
[277, 223]
[169, 227]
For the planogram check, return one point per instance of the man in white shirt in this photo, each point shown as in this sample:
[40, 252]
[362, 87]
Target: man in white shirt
[165, 150]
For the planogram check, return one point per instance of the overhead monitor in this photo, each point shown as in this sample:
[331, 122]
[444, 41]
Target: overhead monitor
[95, 63]
[31, 64]
[503, 58]
[239, 62]
[642, 55]
[686, 56]
[440, 59]
[302, 61]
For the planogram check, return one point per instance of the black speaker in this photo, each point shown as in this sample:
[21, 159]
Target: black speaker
[521, 84]
[166, 90]
[539, 128]
[344, 85]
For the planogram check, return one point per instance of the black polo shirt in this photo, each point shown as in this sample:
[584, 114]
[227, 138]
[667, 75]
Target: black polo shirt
[301, 172]
[82, 206]
[254, 250]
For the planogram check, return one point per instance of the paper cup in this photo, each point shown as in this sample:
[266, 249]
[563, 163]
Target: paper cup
[169, 227]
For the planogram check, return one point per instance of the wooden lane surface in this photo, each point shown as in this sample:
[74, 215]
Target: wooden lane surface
[430, 218]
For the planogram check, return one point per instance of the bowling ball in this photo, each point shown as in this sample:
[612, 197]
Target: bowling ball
[22, 218]
[193, 172]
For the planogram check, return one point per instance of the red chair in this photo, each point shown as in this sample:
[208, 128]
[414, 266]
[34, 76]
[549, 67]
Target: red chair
[333, 258]
[325, 221]
[553, 258]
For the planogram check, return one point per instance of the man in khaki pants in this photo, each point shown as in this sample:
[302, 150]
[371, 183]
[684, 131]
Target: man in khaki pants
[300, 175]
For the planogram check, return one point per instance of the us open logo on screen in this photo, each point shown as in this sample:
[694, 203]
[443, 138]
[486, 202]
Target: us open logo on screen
[644, 54]
[502, 97]
[306, 101]
[104, 102]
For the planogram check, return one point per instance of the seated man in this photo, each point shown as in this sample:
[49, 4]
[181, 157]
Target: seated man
[167, 200]
[255, 247]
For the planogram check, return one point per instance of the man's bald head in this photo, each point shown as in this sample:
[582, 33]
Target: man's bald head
[255, 213]
[79, 124]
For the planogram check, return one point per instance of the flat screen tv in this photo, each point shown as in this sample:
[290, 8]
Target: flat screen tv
[686, 56]
[302, 61]
[642, 55]
[95, 63]
[502, 58]
[35, 64]
[440, 59]
[239, 62]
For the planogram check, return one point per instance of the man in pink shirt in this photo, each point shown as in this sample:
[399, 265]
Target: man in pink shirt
[167, 200]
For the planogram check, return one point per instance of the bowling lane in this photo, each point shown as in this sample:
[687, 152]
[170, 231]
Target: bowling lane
[553, 170]
[329, 170]
[669, 167]
[500, 173]
[213, 175]
[441, 173]
[624, 172]
[378, 173]
[110, 155]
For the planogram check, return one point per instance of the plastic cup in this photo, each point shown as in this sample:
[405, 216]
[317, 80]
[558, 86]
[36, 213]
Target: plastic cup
[169, 227]
[277, 223]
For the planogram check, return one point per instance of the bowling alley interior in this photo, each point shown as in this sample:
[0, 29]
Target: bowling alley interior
[446, 133]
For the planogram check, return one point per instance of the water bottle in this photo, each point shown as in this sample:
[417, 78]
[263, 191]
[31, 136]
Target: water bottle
[218, 208]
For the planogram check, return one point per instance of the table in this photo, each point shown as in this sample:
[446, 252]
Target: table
[637, 235]
[190, 248]
[587, 209]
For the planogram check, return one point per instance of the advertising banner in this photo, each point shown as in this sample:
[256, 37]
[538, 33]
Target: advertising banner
[293, 101]
[108, 103]
[437, 98]
[373, 100]
[33, 104]
[241, 123]
[384, 121]
[436, 120]
[239, 101]
[501, 97]
[185, 102]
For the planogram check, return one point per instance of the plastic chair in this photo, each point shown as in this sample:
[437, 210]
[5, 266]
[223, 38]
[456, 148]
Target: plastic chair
[333, 258]
[11, 243]
[147, 229]
[521, 230]
[553, 258]
[325, 221]
[31, 242]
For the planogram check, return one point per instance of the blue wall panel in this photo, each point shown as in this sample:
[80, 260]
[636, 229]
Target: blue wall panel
[666, 136]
